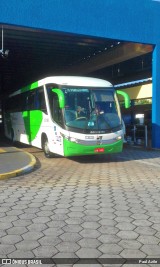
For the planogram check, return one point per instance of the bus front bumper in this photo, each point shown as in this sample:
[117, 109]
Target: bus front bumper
[74, 149]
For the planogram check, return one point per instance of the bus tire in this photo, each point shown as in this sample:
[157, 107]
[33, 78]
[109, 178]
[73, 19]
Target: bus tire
[45, 147]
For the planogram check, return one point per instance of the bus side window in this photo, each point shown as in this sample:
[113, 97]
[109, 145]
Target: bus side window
[40, 102]
[24, 101]
[57, 112]
[13, 104]
[30, 100]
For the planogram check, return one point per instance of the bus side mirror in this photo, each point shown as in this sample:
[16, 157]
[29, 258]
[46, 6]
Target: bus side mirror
[126, 98]
[61, 98]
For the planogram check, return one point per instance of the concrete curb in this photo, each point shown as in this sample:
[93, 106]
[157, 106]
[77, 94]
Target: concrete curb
[20, 171]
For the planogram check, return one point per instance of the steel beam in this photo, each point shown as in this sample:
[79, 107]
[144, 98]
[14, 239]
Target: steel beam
[114, 56]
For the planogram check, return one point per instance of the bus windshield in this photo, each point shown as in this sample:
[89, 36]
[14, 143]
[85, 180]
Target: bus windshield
[93, 109]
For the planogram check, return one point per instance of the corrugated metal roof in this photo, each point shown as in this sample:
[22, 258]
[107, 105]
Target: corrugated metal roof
[133, 83]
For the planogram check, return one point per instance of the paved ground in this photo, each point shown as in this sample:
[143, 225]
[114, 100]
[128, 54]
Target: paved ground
[89, 207]
[15, 162]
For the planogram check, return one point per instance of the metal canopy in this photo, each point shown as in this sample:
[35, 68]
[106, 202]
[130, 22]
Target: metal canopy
[35, 54]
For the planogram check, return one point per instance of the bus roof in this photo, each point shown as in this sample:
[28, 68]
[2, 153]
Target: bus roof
[76, 80]
[66, 80]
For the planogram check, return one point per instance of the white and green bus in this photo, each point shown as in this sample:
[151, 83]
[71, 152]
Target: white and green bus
[66, 115]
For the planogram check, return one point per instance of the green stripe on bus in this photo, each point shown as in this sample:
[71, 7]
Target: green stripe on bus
[32, 122]
[29, 87]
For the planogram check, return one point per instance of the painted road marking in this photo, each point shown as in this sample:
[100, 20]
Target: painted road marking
[2, 150]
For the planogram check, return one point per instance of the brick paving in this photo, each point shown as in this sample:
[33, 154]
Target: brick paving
[86, 207]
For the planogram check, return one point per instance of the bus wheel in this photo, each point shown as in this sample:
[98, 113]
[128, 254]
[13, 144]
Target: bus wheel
[45, 147]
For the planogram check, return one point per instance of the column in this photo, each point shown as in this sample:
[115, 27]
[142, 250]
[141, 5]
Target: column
[156, 97]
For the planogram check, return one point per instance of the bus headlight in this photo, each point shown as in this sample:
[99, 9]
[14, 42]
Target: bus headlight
[65, 136]
[72, 139]
[119, 137]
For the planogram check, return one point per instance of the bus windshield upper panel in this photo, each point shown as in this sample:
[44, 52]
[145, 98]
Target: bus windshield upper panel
[91, 109]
